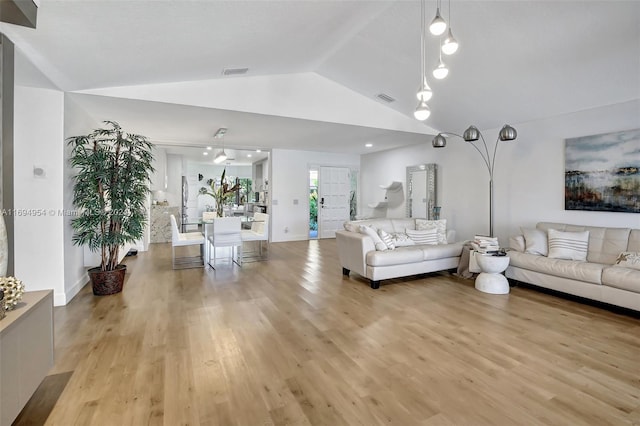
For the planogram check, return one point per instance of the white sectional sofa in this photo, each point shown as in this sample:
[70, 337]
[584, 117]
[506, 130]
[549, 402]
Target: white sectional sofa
[358, 253]
[610, 273]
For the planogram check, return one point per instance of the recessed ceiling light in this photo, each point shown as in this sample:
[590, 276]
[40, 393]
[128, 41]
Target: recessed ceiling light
[249, 155]
[205, 153]
[258, 150]
[209, 148]
[368, 145]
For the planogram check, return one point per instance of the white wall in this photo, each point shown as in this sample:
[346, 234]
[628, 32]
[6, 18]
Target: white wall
[529, 174]
[289, 181]
[76, 122]
[39, 222]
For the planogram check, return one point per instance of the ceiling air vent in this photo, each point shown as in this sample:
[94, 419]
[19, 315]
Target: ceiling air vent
[384, 97]
[234, 71]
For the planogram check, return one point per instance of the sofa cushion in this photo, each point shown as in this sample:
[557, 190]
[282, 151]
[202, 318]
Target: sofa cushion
[442, 251]
[440, 225]
[388, 225]
[634, 240]
[605, 244]
[427, 236]
[377, 241]
[568, 245]
[535, 241]
[399, 256]
[622, 278]
[413, 254]
[628, 259]
[572, 269]
[516, 242]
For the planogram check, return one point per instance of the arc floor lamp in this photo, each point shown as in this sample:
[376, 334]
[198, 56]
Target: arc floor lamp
[472, 135]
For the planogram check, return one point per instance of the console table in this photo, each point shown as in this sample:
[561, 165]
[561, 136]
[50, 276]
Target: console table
[26, 351]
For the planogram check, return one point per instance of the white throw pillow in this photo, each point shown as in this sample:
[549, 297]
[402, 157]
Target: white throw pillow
[440, 225]
[427, 236]
[400, 239]
[377, 241]
[535, 241]
[568, 245]
[386, 239]
[628, 259]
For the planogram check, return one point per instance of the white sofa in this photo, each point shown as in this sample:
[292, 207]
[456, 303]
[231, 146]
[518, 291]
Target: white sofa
[357, 252]
[598, 278]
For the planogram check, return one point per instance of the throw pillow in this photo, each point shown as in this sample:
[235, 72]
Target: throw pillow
[386, 238]
[427, 236]
[628, 259]
[400, 239]
[440, 225]
[568, 245]
[377, 241]
[535, 241]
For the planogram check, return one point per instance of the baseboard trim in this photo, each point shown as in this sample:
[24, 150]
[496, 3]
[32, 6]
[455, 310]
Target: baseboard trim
[62, 299]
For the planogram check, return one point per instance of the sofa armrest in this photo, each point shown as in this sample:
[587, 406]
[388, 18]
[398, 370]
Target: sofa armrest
[516, 243]
[352, 250]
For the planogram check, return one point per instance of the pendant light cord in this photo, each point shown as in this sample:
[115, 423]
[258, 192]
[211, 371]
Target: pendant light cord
[422, 44]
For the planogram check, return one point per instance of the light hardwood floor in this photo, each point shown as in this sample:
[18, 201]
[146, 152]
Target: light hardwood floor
[290, 341]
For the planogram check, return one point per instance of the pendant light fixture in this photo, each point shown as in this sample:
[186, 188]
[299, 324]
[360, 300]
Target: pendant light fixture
[221, 155]
[422, 111]
[441, 71]
[424, 92]
[438, 25]
[450, 44]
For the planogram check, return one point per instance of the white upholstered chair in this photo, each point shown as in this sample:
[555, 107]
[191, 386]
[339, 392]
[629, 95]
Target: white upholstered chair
[182, 239]
[226, 233]
[259, 232]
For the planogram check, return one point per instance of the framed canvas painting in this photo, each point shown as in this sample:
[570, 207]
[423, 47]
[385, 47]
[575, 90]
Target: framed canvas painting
[602, 172]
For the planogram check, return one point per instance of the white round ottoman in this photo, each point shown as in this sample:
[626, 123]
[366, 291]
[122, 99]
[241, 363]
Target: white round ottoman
[491, 279]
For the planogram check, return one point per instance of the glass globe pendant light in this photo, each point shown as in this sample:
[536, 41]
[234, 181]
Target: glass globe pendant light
[422, 111]
[450, 44]
[424, 92]
[438, 25]
[441, 71]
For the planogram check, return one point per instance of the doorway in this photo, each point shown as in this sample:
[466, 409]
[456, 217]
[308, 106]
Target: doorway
[334, 190]
[313, 203]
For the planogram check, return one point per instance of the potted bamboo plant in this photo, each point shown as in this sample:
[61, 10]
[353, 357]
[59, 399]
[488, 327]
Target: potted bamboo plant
[222, 193]
[110, 193]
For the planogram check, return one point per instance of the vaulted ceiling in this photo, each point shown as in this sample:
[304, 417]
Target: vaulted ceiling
[518, 61]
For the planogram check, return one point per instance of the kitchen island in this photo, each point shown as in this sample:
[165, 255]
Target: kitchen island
[160, 224]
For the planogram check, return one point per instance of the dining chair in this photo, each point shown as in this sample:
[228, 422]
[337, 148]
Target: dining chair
[226, 233]
[182, 239]
[259, 232]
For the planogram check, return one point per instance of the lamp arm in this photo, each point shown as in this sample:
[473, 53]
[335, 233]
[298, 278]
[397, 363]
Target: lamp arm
[486, 159]
[495, 149]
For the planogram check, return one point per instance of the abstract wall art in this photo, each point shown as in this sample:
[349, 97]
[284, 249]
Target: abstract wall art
[602, 172]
